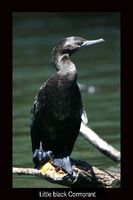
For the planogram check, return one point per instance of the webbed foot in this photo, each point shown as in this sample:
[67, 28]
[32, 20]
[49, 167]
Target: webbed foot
[63, 163]
[40, 157]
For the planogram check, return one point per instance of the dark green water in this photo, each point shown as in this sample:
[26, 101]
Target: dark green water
[34, 36]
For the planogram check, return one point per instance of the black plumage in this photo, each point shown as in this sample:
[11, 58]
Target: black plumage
[57, 109]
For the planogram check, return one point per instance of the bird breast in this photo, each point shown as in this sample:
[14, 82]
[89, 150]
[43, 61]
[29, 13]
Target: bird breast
[63, 98]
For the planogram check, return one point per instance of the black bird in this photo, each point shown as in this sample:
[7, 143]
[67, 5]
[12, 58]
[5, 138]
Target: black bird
[57, 110]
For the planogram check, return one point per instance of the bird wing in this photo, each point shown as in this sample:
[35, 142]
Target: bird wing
[38, 105]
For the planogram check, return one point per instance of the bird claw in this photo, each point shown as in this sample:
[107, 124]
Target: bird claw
[63, 163]
[41, 157]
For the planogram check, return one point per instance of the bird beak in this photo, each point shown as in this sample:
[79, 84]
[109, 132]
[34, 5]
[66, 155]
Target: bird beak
[90, 42]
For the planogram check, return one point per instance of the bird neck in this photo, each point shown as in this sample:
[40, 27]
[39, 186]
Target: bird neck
[64, 66]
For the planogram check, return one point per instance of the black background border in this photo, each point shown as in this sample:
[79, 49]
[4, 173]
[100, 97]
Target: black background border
[6, 91]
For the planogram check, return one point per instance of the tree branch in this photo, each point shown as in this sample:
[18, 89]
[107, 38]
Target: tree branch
[84, 175]
[99, 143]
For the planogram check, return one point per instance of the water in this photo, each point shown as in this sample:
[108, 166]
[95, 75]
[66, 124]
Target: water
[34, 36]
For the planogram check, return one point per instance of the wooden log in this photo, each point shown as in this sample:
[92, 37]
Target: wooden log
[84, 176]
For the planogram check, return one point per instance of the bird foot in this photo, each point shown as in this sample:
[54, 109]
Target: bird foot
[41, 157]
[64, 164]
[52, 171]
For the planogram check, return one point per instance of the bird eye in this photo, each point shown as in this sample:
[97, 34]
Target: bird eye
[79, 43]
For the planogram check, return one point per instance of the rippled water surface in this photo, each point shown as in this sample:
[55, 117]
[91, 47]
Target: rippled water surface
[34, 36]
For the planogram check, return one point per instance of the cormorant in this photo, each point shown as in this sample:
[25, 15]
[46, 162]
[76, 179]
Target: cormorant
[57, 110]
